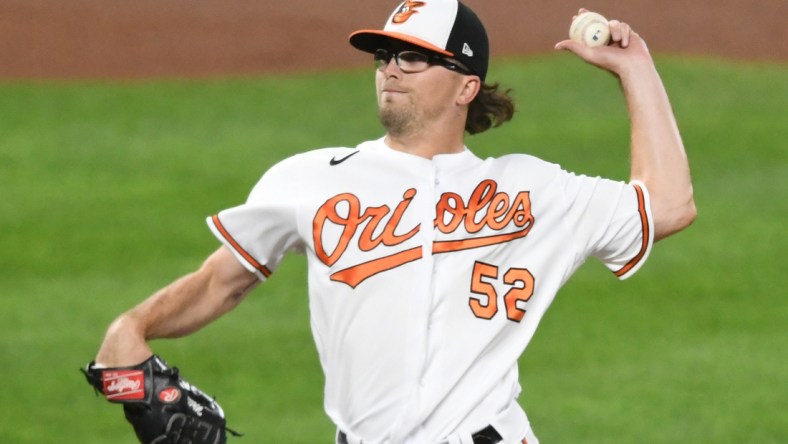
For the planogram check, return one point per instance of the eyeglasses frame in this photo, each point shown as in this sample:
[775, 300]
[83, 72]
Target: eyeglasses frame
[432, 60]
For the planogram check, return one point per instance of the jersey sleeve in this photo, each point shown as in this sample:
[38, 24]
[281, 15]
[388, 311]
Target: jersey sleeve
[260, 231]
[610, 220]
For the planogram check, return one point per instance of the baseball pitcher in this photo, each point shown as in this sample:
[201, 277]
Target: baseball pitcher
[429, 268]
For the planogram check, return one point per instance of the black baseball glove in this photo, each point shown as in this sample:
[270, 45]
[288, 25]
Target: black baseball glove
[162, 407]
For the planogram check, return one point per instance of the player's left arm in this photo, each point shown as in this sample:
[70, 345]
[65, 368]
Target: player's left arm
[179, 309]
[657, 154]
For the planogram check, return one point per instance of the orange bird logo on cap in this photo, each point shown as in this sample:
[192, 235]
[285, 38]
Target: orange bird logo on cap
[406, 11]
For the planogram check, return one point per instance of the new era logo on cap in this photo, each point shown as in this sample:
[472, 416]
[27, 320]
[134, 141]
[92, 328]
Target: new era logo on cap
[445, 27]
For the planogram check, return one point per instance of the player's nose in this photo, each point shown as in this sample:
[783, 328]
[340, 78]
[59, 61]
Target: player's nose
[391, 68]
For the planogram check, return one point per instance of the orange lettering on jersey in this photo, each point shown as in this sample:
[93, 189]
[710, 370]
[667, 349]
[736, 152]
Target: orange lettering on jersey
[485, 208]
[406, 11]
[367, 242]
[508, 218]
[370, 219]
[358, 273]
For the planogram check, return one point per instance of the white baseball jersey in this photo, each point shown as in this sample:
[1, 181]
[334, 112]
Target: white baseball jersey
[428, 278]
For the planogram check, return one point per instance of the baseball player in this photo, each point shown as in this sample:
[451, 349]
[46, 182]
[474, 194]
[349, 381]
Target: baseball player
[429, 268]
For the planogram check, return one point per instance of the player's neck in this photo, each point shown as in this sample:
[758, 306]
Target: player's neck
[427, 143]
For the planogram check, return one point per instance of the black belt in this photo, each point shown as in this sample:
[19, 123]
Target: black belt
[487, 435]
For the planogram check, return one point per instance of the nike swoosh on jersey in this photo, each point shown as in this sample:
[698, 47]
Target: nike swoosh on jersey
[334, 161]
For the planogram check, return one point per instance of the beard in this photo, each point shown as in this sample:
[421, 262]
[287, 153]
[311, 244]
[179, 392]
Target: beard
[399, 120]
[406, 118]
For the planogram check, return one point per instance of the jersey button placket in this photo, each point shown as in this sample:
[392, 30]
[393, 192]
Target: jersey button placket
[420, 298]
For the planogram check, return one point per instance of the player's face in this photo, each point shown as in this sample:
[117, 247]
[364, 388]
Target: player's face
[410, 101]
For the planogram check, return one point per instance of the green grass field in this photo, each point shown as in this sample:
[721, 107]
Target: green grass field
[105, 187]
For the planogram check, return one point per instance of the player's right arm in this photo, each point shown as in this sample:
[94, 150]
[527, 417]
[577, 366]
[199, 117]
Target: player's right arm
[178, 309]
[658, 158]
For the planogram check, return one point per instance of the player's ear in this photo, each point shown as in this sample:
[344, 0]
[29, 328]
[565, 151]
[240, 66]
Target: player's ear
[470, 89]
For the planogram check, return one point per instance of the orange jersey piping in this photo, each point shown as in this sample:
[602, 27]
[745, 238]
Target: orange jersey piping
[248, 257]
[646, 235]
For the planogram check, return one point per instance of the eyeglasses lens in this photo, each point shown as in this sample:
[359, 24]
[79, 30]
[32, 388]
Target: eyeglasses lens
[407, 61]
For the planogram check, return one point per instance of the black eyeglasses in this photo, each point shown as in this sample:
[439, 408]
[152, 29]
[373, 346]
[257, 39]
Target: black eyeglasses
[414, 61]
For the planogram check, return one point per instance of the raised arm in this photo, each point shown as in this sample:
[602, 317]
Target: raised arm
[178, 309]
[657, 153]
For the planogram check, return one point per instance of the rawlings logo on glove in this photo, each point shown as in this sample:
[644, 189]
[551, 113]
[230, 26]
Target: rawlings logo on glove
[162, 407]
[123, 385]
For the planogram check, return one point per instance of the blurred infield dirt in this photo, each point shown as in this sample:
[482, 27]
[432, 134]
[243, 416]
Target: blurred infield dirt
[83, 39]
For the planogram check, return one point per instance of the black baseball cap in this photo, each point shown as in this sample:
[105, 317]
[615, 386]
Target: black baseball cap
[446, 27]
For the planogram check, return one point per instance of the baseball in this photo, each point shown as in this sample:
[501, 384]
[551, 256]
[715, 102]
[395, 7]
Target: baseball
[590, 28]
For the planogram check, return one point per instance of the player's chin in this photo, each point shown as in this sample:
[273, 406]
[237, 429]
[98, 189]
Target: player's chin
[390, 107]
[395, 119]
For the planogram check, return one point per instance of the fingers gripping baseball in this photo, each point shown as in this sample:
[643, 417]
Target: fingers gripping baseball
[620, 33]
[623, 46]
